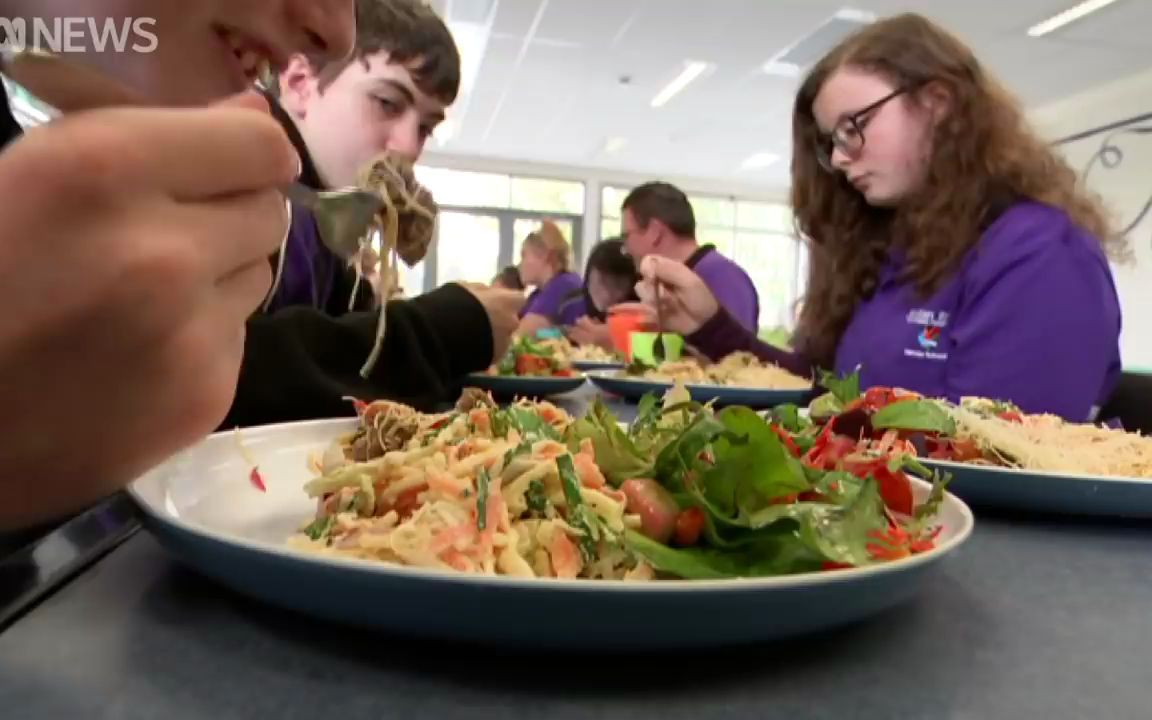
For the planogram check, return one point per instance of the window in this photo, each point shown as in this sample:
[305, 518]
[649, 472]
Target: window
[522, 227]
[540, 195]
[756, 234]
[466, 189]
[468, 249]
[483, 220]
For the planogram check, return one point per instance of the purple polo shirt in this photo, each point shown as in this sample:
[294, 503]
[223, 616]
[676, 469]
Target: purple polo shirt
[1031, 316]
[572, 308]
[547, 299]
[732, 287]
[309, 267]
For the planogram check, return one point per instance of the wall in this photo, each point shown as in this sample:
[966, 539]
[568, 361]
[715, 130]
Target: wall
[1106, 134]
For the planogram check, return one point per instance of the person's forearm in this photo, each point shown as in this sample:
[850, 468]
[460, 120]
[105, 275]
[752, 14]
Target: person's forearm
[300, 363]
[723, 335]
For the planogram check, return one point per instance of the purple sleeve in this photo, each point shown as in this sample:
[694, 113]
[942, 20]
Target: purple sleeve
[736, 294]
[572, 310]
[548, 299]
[723, 335]
[1041, 324]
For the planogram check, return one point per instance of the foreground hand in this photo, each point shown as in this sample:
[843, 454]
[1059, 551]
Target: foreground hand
[503, 309]
[686, 302]
[134, 246]
[587, 331]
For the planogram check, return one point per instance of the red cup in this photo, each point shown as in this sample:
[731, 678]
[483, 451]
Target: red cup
[622, 322]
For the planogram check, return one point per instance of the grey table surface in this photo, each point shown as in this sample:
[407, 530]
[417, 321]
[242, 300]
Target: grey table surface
[1035, 618]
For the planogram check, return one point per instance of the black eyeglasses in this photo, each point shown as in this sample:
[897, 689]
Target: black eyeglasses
[848, 135]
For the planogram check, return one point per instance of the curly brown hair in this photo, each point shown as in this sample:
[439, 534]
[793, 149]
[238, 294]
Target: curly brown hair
[983, 153]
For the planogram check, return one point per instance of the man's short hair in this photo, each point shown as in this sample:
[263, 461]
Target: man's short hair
[411, 34]
[664, 202]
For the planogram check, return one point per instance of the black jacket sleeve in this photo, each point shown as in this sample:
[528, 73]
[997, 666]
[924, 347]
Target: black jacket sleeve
[300, 363]
[343, 284]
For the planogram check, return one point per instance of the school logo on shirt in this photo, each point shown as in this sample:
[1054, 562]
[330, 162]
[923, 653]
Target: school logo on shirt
[929, 338]
[929, 326]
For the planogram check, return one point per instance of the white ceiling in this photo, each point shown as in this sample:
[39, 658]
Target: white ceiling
[547, 74]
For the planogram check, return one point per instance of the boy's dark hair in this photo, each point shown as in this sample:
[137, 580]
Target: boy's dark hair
[509, 277]
[610, 260]
[619, 269]
[664, 202]
[413, 35]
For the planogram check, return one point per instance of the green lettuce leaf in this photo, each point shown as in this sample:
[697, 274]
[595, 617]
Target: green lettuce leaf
[788, 417]
[752, 467]
[772, 555]
[681, 457]
[617, 455]
[919, 415]
[845, 389]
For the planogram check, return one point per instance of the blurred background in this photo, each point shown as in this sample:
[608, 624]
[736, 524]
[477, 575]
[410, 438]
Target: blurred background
[566, 104]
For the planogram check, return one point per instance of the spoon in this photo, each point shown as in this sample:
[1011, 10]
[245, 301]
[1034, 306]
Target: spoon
[344, 217]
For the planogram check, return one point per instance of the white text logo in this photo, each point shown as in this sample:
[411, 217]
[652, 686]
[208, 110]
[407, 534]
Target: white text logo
[79, 35]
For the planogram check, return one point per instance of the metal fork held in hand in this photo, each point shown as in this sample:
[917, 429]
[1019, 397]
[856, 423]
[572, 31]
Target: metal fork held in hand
[658, 352]
[344, 217]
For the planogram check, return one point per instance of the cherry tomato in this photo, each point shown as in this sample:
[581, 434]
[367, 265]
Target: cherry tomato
[689, 527]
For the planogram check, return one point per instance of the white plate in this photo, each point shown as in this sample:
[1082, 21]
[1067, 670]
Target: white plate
[202, 506]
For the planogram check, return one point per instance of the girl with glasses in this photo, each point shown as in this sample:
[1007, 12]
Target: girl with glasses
[952, 251]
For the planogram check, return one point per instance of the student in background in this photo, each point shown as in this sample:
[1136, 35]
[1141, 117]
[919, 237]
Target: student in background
[545, 258]
[658, 220]
[952, 250]
[303, 356]
[609, 279]
[508, 279]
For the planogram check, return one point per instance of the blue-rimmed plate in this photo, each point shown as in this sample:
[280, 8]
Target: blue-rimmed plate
[597, 364]
[1042, 491]
[506, 387]
[635, 388]
[203, 508]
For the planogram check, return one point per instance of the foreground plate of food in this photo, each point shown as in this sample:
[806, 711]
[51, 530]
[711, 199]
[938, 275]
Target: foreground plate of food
[997, 455]
[525, 526]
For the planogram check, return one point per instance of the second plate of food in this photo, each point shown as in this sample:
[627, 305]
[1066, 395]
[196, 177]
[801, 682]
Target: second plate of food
[634, 388]
[507, 387]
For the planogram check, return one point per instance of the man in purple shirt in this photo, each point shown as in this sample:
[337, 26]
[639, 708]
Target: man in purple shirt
[658, 220]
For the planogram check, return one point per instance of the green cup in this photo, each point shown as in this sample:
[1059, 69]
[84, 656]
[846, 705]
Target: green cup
[642, 343]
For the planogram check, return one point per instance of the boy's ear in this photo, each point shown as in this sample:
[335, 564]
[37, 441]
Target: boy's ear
[298, 84]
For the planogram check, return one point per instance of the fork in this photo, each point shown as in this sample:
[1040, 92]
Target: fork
[343, 217]
[658, 352]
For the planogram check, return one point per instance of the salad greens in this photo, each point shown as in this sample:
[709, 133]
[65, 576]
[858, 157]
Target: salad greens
[764, 505]
[922, 415]
[526, 357]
